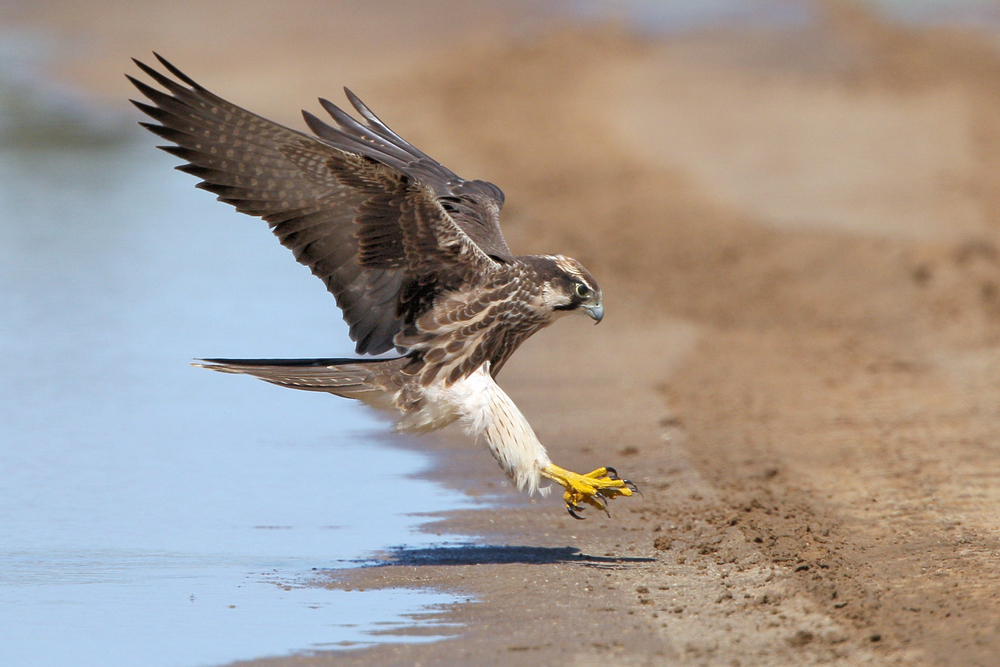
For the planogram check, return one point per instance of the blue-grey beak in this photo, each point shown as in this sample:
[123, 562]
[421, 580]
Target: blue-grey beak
[596, 311]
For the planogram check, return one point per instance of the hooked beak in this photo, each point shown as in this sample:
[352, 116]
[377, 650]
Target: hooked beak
[596, 311]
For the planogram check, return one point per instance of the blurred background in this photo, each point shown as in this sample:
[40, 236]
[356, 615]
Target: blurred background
[813, 186]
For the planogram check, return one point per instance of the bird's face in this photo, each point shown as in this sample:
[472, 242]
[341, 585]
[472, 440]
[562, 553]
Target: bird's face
[571, 288]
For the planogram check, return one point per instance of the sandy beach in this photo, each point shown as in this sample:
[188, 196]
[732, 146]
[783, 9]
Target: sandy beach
[796, 231]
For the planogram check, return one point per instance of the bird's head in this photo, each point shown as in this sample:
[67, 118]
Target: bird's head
[568, 287]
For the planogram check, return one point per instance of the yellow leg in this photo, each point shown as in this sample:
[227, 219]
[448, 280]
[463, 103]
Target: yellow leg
[595, 488]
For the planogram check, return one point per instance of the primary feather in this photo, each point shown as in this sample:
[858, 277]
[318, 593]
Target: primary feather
[412, 253]
[336, 200]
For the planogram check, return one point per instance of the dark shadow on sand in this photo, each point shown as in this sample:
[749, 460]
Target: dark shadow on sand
[480, 554]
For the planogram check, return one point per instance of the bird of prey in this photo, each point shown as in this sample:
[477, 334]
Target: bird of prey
[413, 255]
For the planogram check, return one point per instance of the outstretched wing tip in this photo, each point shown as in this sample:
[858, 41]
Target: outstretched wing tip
[314, 123]
[320, 230]
[176, 72]
[357, 103]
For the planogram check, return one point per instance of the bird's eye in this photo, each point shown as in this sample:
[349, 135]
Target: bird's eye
[582, 290]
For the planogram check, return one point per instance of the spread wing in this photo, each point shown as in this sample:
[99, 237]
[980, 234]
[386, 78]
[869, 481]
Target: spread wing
[384, 226]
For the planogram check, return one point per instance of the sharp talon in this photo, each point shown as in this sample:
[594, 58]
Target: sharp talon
[596, 488]
[598, 500]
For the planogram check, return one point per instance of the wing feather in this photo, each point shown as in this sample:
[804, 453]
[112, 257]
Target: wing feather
[367, 212]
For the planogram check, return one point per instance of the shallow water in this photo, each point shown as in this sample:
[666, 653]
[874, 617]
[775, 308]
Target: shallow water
[150, 512]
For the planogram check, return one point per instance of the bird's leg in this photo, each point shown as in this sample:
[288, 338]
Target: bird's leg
[595, 488]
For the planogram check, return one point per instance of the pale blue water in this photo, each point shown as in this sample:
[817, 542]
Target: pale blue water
[152, 513]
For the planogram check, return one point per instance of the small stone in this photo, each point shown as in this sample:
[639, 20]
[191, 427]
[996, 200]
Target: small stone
[801, 638]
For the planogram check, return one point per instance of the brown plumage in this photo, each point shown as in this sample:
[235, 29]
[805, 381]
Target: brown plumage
[412, 253]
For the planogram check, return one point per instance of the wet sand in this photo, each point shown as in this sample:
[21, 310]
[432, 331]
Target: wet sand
[796, 232]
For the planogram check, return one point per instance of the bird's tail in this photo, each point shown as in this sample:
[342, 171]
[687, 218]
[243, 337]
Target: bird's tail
[363, 379]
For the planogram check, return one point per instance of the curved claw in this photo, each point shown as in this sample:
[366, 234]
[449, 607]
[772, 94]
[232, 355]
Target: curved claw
[602, 504]
[596, 488]
[600, 501]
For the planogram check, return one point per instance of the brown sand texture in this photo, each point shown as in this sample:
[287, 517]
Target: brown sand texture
[798, 235]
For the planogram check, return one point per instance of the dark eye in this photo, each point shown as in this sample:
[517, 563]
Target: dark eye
[582, 290]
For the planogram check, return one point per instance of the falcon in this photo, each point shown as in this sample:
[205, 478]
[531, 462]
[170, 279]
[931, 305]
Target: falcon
[413, 255]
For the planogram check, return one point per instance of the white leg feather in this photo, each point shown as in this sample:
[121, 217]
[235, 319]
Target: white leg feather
[513, 442]
[483, 409]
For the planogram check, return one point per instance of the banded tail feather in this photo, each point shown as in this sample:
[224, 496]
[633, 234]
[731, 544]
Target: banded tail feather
[351, 378]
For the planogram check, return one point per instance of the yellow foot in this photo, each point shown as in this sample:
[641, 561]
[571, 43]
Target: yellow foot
[595, 488]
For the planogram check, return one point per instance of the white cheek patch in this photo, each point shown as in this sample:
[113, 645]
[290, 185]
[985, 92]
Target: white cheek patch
[550, 298]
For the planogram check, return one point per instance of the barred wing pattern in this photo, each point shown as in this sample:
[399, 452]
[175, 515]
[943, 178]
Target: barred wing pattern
[383, 225]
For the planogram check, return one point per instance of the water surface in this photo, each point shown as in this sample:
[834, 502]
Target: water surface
[150, 512]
